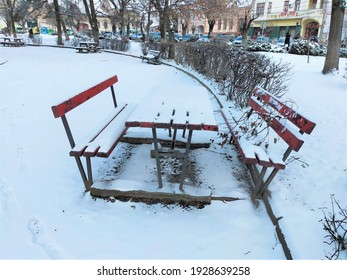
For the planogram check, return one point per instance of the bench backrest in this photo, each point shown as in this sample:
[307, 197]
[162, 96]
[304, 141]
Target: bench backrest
[67, 105]
[259, 102]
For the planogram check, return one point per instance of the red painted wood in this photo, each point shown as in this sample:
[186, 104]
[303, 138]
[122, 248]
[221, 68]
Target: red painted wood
[77, 153]
[254, 160]
[82, 97]
[292, 141]
[235, 139]
[301, 122]
[278, 165]
[210, 127]
[106, 155]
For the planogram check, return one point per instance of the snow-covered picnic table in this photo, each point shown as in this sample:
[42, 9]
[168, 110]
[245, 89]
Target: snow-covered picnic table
[88, 47]
[179, 108]
[9, 41]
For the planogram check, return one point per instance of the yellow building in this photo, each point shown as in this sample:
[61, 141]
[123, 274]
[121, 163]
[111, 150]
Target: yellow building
[300, 18]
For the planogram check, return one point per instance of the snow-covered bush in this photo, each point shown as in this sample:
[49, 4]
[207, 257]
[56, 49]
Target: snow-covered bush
[256, 47]
[264, 47]
[236, 71]
[302, 47]
[115, 44]
[299, 47]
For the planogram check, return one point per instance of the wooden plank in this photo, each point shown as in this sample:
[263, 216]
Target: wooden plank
[140, 195]
[80, 148]
[294, 117]
[292, 140]
[82, 97]
[107, 139]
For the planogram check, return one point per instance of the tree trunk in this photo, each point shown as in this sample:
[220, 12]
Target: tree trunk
[58, 19]
[334, 42]
[148, 23]
[95, 27]
[211, 23]
[67, 37]
[90, 11]
[172, 44]
[184, 31]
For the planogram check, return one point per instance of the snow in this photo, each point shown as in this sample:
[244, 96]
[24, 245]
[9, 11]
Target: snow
[45, 213]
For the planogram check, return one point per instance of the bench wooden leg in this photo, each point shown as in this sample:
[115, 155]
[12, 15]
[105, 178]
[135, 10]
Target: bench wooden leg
[173, 143]
[267, 183]
[185, 160]
[156, 152]
[82, 172]
[259, 181]
[89, 171]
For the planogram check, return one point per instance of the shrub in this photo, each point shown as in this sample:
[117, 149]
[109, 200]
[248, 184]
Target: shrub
[115, 44]
[235, 70]
[335, 224]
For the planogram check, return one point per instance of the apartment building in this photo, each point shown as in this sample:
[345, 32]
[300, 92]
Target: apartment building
[300, 18]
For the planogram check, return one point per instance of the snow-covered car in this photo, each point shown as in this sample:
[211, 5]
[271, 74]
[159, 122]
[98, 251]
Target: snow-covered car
[281, 40]
[262, 39]
[204, 38]
[237, 41]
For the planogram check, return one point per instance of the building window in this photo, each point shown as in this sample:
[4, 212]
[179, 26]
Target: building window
[231, 24]
[286, 6]
[225, 24]
[219, 24]
[260, 9]
[105, 24]
[269, 8]
[297, 5]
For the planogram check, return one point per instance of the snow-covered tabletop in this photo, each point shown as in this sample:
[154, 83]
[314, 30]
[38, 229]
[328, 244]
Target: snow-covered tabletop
[179, 107]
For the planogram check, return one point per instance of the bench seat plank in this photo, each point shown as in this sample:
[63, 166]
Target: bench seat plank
[292, 138]
[250, 153]
[106, 140]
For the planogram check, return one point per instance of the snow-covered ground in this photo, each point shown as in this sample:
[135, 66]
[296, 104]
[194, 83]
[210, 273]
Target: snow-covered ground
[45, 213]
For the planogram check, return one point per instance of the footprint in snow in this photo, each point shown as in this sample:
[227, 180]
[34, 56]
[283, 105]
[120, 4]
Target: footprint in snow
[21, 155]
[7, 198]
[41, 237]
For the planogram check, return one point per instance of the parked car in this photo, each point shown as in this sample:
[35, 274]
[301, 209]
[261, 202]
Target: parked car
[204, 38]
[237, 41]
[225, 37]
[178, 37]
[134, 36]
[191, 37]
[262, 39]
[281, 40]
[108, 34]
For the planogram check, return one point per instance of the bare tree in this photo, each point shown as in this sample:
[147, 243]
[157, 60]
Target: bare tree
[91, 14]
[185, 13]
[9, 11]
[118, 11]
[246, 17]
[58, 19]
[20, 11]
[214, 10]
[144, 9]
[71, 13]
[334, 41]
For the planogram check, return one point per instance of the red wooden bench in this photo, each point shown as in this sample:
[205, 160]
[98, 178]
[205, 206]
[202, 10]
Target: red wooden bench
[284, 121]
[102, 142]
